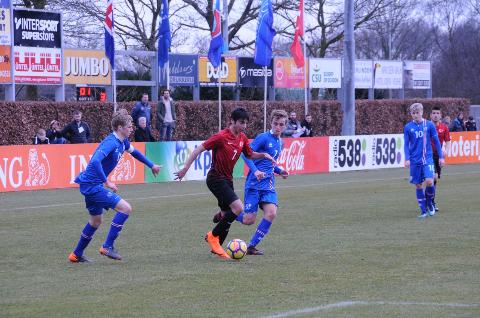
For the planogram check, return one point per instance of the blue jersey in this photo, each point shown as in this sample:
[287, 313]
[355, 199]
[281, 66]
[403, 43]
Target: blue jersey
[268, 143]
[418, 142]
[104, 160]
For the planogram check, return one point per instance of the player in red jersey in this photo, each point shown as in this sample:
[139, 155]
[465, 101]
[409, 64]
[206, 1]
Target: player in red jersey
[226, 145]
[444, 137]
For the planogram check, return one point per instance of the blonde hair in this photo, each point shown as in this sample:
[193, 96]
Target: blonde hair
[278, 114]
[416, 106]
[121, 118]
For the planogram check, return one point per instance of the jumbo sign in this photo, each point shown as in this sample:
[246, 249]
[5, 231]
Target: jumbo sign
[87, 67]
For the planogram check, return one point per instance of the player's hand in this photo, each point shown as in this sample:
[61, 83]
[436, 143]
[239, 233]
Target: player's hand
[156, 169]
[442, 162]
[284, 174]
[112, 186]
[407, 163]
[268, 157]
[259, 175]
[180, 174]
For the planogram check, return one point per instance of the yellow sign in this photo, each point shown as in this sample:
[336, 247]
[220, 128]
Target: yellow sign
[208, 75]
[87, 67]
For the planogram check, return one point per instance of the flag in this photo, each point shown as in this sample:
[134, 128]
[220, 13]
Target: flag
[265, 34]
[164, 36]
[216, 44]
[296, 48]
[109, 32]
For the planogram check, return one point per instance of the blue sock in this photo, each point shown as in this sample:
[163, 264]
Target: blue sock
[85, 238]
[429, 195]
[115, 228]
[240, 217]
[421, 200]
[261, 231]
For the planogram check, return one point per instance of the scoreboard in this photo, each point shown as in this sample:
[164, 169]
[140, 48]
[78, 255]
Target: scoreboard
[85, 94]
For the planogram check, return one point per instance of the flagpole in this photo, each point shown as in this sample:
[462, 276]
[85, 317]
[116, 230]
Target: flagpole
[306, 60]
[219, 98]
[168, 74]
[265, 70]
[114, 81]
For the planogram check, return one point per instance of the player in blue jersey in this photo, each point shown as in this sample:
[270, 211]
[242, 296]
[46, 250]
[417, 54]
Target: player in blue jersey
[260, 183]
[419, 135]
[99, 198]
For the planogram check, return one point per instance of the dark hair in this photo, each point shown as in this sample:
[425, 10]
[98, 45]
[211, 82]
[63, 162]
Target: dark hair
[239, 113]
[77, 112]
[436, 108]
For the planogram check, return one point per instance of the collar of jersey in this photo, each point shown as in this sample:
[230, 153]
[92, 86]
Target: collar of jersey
[116, 136]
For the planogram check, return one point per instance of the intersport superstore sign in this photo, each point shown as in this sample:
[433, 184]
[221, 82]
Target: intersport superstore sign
[365, 152]
[37, 28]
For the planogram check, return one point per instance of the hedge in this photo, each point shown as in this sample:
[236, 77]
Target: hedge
[198, 120]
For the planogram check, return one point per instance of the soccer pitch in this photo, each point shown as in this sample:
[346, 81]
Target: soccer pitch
[343, 245]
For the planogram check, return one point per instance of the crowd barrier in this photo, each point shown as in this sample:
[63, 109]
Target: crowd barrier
[35, 167]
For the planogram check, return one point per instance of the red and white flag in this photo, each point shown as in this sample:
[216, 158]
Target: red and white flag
[296, 48]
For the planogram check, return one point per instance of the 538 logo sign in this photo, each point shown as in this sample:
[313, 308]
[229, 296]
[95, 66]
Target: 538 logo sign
[347, 153]
[386, 150]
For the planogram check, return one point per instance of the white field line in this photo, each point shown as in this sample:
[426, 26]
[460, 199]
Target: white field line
[208, 193]
[343, 304]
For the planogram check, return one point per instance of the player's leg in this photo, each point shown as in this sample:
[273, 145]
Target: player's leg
[123, 210]
[251, 198]
[438, 172]
[428, 173]
[269, 207]
[416, 178]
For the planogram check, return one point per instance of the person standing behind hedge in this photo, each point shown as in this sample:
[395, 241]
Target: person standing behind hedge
[54, 133]
[142, 109]
[166, 116]
[78, 131]
[40, 138]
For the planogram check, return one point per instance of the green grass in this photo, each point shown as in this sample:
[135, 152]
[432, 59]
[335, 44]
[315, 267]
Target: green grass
[338, 237]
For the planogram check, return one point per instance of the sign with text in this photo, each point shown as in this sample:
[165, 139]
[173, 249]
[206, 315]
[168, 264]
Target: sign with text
[90, 67]
[5, 64]
[5, 34]
[37, 28]
[253, 75]
[417, 74]
[363, 74]
[287, 74]
[388, 74]
[35, 167]
[325, 73]
[37, 65]
[464, 148]
[208, 75]
[183, 70]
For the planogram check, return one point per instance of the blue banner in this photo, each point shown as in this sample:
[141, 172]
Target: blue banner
[253, 75]
[183, 70]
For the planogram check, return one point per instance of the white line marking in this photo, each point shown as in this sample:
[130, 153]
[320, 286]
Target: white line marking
[344, 304]
[207, 193]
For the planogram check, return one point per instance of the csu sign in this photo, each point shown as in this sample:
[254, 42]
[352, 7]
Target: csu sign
[253, 75]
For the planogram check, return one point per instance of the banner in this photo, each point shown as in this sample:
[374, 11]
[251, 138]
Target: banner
[363, 74]
[5, 37]
[464, 148]
[287, 74]
[253, 75]
[89, 67]
[37, 28]
[417, 74]
[5, 64]
[365, 152]
[388, 74]
[208, 75]
[35, 167]
[172, 155]
[183, 70]
[37, 65]
[325, 73]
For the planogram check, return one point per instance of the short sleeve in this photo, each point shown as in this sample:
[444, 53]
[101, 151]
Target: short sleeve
[247, 150]
[212, 142]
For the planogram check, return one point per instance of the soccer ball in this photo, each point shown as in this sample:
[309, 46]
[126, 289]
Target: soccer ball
[236, 249]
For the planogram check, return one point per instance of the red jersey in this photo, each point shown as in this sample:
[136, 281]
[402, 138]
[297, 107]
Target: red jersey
[226, 148]
[443, 135]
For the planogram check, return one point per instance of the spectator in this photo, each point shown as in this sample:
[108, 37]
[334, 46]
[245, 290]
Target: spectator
[54, 133]
[78, 131]
[294, 127]
[143, 133]
[166, 116]
[142, 109]
[40, 137]
[470, 124]
[457, 123]
[307, 125]
[447, 121]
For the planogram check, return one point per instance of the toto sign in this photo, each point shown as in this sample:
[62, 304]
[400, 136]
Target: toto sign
[253, 75]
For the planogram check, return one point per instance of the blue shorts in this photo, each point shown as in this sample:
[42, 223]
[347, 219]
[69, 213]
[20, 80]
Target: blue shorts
[254, 197]
[97, 198]
[420, 172]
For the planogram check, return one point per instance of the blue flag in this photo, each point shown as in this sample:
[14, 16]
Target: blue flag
[109, 31]
[265, 34]
[164, 36]
[216, 44]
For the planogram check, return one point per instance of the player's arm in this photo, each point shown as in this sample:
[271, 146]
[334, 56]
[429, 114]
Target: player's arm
[181, 173]
[434, 136]
[406, 146]
[140, 157]
[447, 141]
[255, 145]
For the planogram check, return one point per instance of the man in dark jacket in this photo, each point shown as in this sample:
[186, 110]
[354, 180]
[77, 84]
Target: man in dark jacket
[142, 109]
[40, 138]
[166, 116]
[457, 123]
[78, 131]
[54, 133]
[143, 133]
[470, 124]
[307, 124]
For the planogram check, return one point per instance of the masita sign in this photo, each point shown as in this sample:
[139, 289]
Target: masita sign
[253, 75]
[86, 67]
